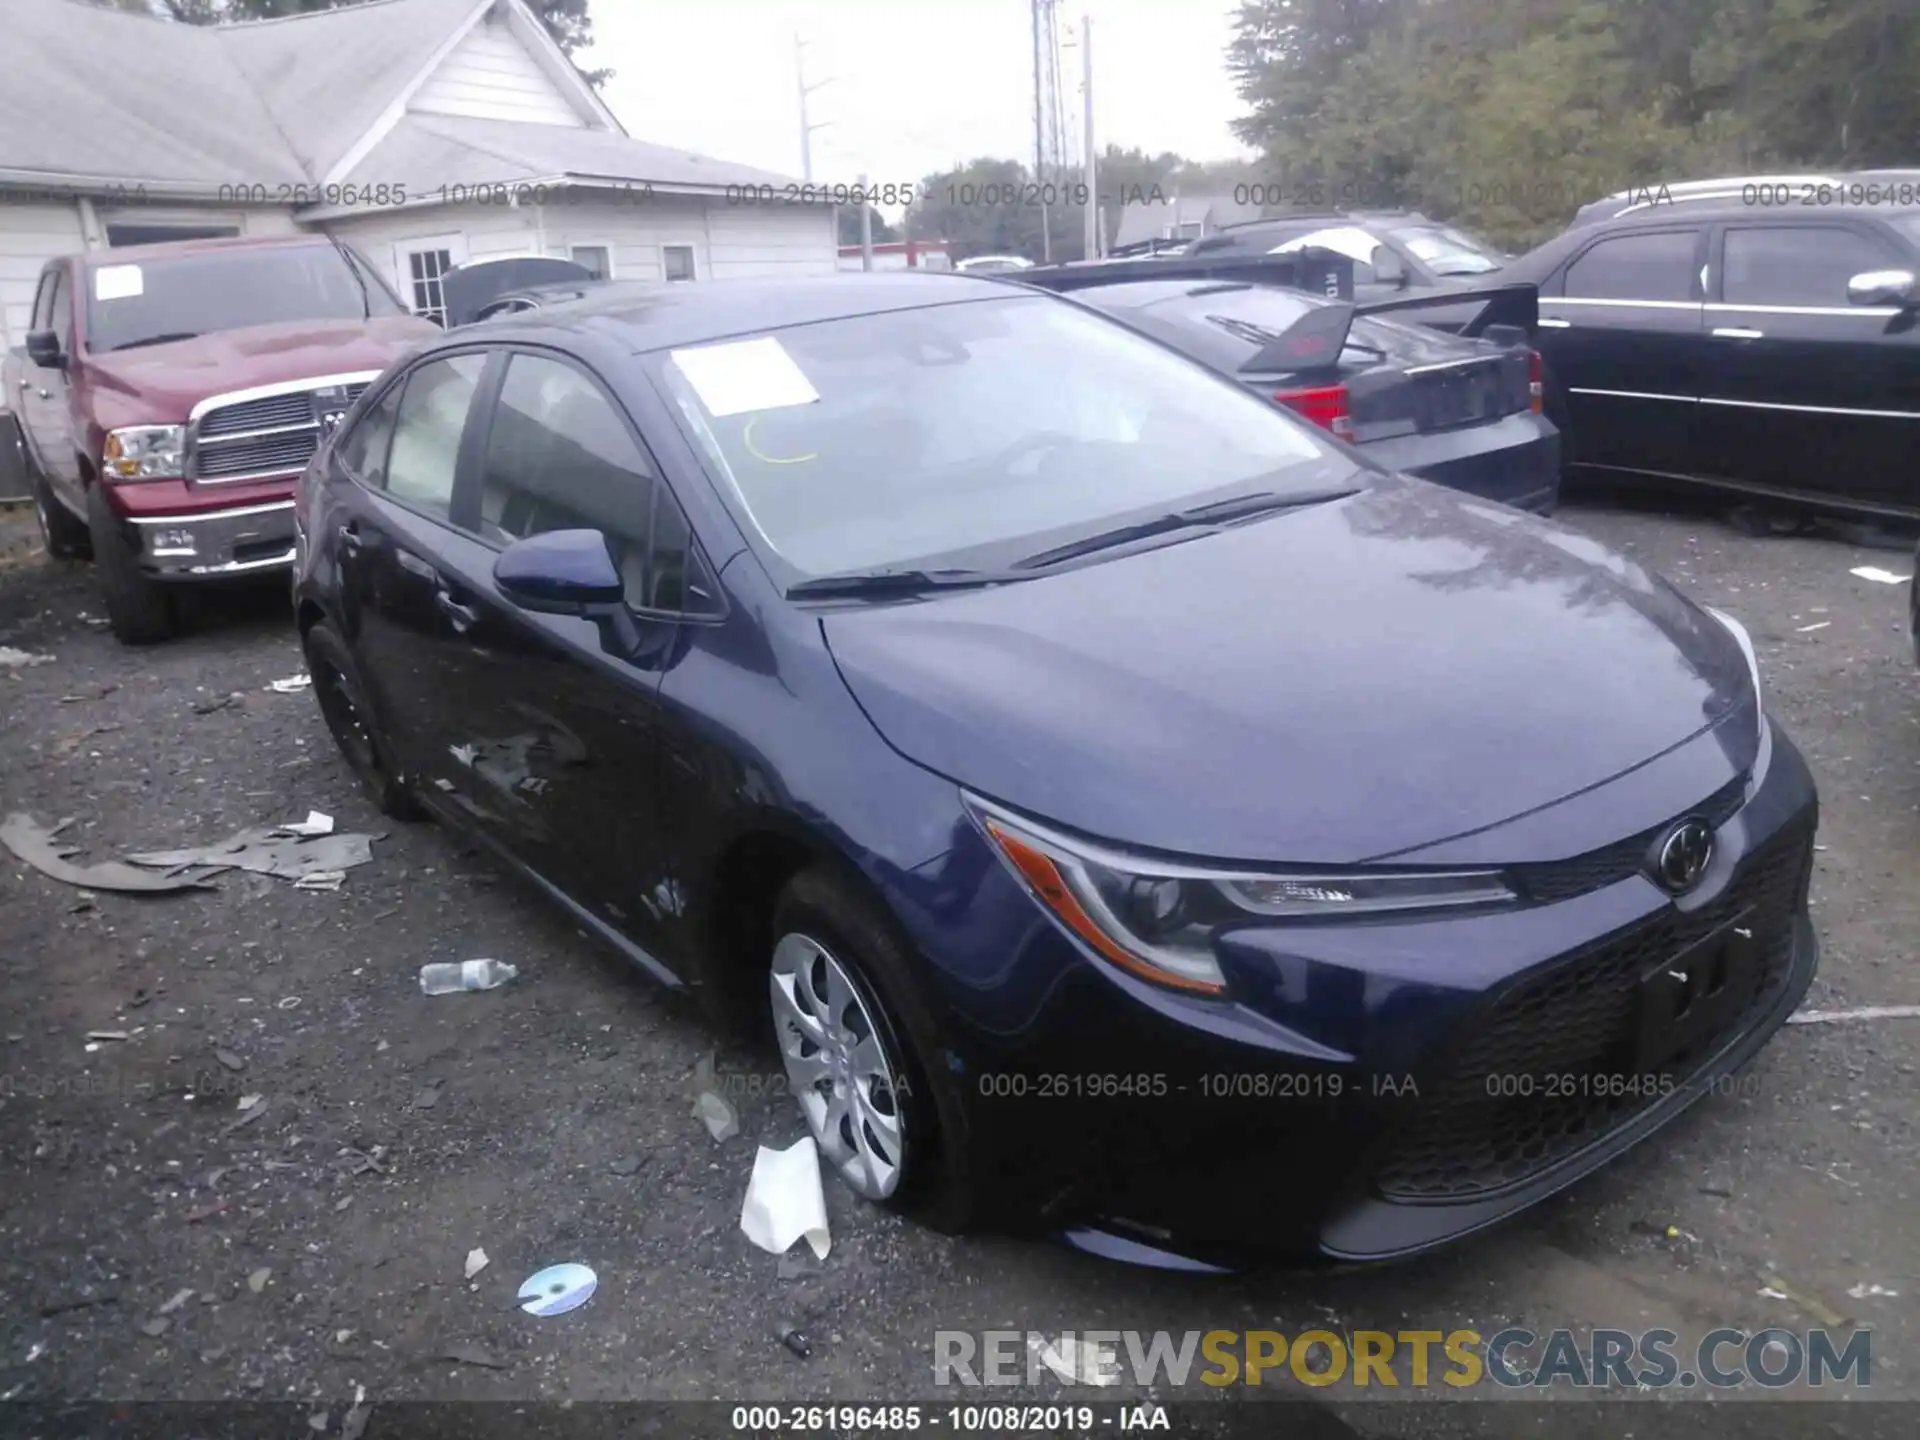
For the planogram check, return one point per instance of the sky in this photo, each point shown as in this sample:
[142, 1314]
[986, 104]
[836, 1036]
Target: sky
[914, 86]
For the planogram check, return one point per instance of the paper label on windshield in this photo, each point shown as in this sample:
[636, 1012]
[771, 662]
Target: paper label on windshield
[118, 282]
[745, 375]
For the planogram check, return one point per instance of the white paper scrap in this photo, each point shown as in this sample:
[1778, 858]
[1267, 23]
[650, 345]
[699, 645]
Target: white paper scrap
[784, 1201]
[316, 823]
[744, 375]
[1874, 572]
[118, 282]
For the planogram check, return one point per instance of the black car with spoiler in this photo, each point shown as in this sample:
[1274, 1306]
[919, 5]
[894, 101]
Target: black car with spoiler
[1463, 409]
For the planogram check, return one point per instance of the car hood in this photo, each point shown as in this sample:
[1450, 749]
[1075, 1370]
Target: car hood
[1328, 685]
[162, 383]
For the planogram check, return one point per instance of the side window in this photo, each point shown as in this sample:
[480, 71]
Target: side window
[60, 315]
[559, 457]
[42, 318]
[426, 432]
[1636, 267]
[1802, 265]
[363, 451]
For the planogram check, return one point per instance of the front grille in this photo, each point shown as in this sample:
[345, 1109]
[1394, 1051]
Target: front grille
[1563, 879]
[276, 434]
[1581, 1018]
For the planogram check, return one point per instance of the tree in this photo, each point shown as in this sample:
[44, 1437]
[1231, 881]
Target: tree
[883, 233]
[566, 21]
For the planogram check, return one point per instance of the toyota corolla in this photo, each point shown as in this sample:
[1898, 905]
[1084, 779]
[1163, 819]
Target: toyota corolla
[1127, 812]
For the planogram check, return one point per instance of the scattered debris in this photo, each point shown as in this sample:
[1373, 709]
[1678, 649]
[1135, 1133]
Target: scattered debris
[450, 975]
[353, 1424]
[291, 684]
[257, 1281]
[108, 1035]
[1775, 1288]
[180, 1297]
[225, 702]
[342, 1203]
[266, 850]
[794, 1341]
[1663, 1232]
[558, 1289]
[428, 1095]
[476, 1261]
[1874, 572]
[1809, 629]
[1865, 1012]
[12, 659]
[253, 1113]
[626, 1165]
[321, 880]
[473, 1355]
[247, 1102]
[784, 1200]
[316, 823]
[78, 1302]
[1719, 1191]
[1862, 1291]
[157, 1327]
[34, 843]
[359, 1162]
[229, 1060]
[100, 694]
[717, 1114]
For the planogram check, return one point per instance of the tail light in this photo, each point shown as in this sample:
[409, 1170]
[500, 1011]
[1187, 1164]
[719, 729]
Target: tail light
[1536, 382]
[1325, 405]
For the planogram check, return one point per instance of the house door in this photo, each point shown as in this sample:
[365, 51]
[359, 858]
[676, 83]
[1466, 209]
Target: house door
[419, 265]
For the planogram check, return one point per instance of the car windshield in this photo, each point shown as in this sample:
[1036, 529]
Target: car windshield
[1446, 251]
[136, 301]
[985, 429]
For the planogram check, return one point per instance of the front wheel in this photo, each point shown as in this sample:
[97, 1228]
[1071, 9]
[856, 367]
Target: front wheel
[139, 610]
[857, 1041]
[343, 705]
[62, 533]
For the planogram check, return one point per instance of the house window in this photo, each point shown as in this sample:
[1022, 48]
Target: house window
[425, 270]
[598, 259]
[678, 260]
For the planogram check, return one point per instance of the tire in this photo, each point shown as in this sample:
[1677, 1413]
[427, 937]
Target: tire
[62, 533]
[818, 909]
[139, 610]
[343, 705]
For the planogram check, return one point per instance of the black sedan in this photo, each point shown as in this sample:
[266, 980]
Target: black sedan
[1462, 412]
[1740, 341]
[1391, 252]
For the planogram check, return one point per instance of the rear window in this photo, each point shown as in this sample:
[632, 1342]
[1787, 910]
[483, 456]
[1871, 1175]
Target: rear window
[148, 300]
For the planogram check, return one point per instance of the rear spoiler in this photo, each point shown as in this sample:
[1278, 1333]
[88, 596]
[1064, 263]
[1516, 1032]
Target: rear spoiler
[1319, 272]
[1313, 342]
[1478, 310]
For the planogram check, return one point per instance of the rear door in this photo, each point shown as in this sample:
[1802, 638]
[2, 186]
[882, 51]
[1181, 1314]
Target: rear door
[1807, 393]
[45, 401]
[1622, 335]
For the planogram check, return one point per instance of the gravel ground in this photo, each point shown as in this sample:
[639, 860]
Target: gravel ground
[550, 1120]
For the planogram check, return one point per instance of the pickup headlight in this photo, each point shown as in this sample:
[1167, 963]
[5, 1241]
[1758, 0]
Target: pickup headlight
[145, 452]
[1158, 920]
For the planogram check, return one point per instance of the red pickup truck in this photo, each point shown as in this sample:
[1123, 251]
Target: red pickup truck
[169, 395]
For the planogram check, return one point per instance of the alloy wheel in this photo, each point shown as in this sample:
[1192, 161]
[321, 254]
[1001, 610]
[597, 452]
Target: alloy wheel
[341, 709]
[838, 1067]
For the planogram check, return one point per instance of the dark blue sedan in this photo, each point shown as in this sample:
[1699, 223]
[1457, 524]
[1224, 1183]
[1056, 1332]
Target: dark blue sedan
[1128, 812]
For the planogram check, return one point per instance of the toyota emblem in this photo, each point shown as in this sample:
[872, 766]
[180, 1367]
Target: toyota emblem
[1683, 855]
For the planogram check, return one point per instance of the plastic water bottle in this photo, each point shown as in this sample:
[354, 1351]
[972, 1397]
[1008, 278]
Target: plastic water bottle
[449, 976]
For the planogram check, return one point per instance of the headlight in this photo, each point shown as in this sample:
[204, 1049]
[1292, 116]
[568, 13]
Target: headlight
[1739, 633]
[145, 452]
[1159, 920]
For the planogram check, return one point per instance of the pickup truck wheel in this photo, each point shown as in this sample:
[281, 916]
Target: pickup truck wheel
[61, 531]
[343, 705]
[139, 610]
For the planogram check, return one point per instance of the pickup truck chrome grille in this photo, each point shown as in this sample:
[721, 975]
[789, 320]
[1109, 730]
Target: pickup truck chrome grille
[270, 431]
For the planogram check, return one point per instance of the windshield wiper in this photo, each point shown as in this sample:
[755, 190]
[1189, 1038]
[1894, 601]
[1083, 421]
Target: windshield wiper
[1218, 512]
[894, 582]
[167, 339]
[366, 300]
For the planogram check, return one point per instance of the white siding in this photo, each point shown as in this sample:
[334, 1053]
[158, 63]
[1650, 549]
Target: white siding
[772, 240]
[490, 76]
[30, 235]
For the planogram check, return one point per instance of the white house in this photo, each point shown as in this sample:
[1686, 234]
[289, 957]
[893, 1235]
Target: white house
[424, 132]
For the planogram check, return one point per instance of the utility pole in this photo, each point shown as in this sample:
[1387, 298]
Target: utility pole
[1040, 133]
[866, 226]
[806, 129]
[1093, 236]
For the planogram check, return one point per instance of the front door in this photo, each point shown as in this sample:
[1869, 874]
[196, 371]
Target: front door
[1807, 393]
[1620, 334]
[46, 416]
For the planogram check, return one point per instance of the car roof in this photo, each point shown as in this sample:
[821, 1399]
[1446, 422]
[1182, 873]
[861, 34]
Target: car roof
[656, 317]
[1728, 193]
[139, 254]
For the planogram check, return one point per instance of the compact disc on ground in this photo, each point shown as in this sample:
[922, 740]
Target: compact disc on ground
[558, 1289]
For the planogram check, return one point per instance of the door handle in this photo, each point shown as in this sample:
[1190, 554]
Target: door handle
[462, 616]
[46, 394]
[1549, 323]
[1739, 332]
[350, 540]
[414, 565]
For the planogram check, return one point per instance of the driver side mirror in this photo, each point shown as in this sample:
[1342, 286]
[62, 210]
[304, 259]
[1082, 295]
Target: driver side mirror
[570, 572]
[43, 349]
[1876, 287]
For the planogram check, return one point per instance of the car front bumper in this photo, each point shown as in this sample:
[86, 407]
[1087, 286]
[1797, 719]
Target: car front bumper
[216, 544]
[1376, 1090]
[1515, 460]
